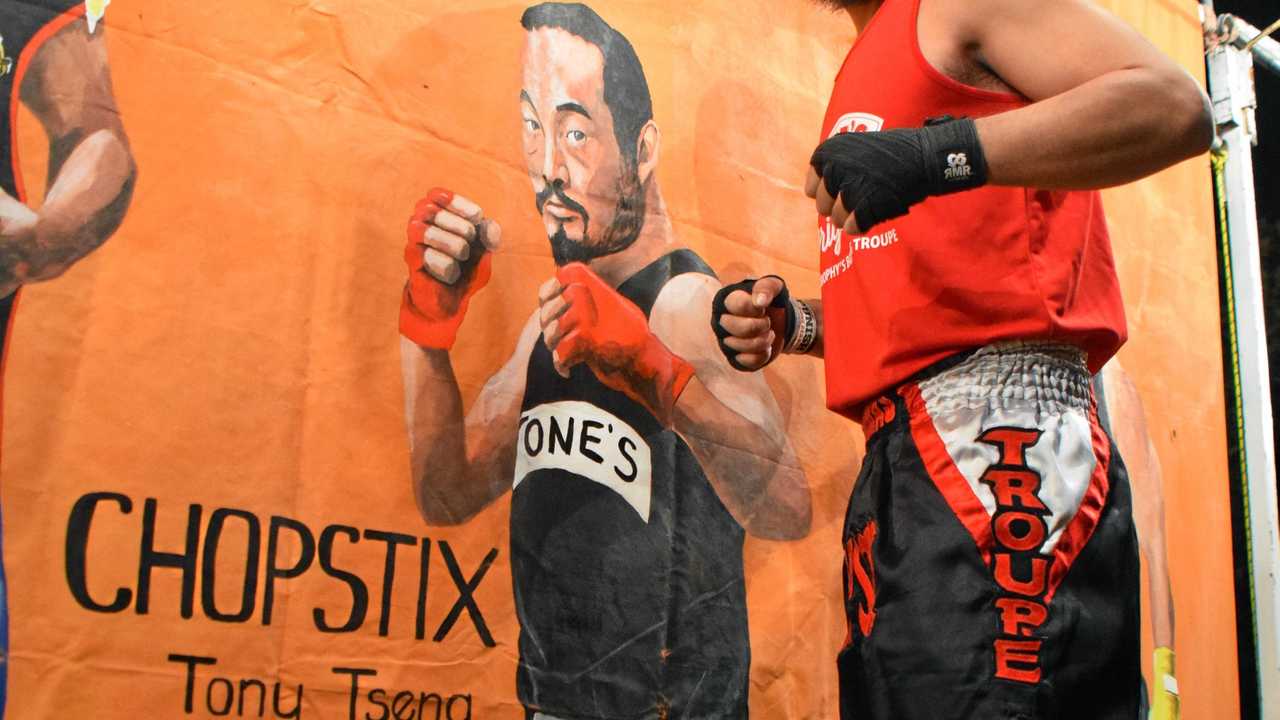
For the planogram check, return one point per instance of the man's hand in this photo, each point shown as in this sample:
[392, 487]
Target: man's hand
[448, 254]
[753, 319]
[586, 321]
[860, 180]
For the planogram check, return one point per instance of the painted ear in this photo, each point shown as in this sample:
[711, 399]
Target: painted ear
[647, 146]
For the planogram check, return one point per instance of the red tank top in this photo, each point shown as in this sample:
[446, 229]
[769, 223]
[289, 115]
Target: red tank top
[959, 271]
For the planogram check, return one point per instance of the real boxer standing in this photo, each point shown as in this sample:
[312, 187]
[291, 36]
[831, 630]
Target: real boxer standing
[53, 59]
[968, 291]
[637, 455]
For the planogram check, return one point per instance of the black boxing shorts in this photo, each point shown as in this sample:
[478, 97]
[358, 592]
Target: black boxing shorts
[991, 563]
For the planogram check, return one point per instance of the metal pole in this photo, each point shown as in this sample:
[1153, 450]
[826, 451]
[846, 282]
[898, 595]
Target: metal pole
[1232, 91]
[1266, 51]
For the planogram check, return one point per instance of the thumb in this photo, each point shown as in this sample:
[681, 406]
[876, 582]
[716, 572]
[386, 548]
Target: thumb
[765, 290]
[490, 233]
[561, 369]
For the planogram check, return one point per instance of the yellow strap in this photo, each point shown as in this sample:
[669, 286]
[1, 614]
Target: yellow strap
[1270, 29]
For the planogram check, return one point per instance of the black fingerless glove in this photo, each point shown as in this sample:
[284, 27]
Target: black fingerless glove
[781, 314]
[878, 176]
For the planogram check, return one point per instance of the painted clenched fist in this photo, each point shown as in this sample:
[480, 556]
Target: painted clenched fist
[448, 251]
[586, 321]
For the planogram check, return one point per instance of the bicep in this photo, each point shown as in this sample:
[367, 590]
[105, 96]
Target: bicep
[68, 86]
[1047, 47]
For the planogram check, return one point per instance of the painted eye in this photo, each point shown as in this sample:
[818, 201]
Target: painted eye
[531, 125]
[576, 137]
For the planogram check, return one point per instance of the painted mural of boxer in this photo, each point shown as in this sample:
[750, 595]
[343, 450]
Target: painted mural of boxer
[636, 456]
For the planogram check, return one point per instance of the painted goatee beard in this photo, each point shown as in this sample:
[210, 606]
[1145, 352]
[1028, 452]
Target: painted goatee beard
[628, 221]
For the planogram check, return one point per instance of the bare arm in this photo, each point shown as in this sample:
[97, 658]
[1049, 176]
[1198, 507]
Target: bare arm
[68, 88]
[1109, 108]
[460, 465]
[731, 420]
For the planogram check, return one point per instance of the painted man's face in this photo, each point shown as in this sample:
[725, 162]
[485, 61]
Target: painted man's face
[587, 190]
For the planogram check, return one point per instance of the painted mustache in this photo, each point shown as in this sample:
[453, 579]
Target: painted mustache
[555, 189]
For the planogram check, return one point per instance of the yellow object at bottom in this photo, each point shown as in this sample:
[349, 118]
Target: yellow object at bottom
[1164, 691]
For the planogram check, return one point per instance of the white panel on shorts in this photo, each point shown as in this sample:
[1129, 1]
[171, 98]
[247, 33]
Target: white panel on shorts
[1021, 385]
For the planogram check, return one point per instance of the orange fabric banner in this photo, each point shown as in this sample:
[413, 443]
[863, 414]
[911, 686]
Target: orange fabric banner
[208, 497]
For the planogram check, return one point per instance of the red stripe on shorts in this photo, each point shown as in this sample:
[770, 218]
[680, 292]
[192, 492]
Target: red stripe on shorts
[944, 473]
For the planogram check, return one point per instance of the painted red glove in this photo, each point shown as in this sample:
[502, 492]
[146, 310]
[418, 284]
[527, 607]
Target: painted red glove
[431, 310]
[611, 335]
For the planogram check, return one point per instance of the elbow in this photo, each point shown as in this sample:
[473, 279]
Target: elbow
[43, 272]
[434, 508]
[1189, 118]
[439, 519]
[796, 528]
[436, 514]
[785, 519]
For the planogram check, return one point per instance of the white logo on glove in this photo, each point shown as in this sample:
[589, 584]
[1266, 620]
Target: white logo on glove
[958, 167]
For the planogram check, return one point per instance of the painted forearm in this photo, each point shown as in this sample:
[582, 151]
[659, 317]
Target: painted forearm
[754, 471]
[84, 206]
[447, 486]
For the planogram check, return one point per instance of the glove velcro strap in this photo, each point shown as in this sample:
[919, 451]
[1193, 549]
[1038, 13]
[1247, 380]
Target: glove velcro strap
[953, 156]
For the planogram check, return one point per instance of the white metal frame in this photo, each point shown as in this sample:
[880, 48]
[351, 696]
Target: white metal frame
[1230, 67]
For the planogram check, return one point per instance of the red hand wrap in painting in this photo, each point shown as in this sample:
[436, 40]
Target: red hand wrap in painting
[611, 335]
[430, 310]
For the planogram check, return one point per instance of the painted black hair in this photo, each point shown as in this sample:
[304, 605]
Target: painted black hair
[626, 92]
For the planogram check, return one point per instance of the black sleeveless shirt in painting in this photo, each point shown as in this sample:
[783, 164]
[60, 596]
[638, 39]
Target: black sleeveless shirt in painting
[626, 566]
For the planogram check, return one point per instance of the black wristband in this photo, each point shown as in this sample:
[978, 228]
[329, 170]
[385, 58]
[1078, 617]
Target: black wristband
[781, 301]
[953, 156]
